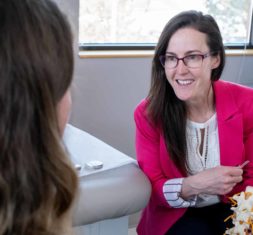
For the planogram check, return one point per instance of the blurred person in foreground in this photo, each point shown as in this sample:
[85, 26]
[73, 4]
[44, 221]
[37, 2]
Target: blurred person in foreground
[37, 181]
[193, 131]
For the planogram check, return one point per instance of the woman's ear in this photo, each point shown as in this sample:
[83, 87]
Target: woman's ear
[215, 61]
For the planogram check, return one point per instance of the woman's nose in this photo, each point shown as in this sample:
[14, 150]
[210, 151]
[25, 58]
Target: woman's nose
[181, 67]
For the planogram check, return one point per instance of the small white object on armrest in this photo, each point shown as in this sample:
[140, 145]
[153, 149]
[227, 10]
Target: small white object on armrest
[84, 149]
[94, 165]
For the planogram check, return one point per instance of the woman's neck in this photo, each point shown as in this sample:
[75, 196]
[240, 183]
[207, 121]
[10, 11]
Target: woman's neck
[202, 109]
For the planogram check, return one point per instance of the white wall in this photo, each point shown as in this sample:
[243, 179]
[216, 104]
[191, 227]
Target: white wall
[106, 91]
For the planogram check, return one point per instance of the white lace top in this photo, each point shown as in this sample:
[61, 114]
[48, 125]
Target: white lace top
[203, 152]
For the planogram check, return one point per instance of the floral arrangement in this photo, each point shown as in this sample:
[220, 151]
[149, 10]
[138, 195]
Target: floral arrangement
[242, 217]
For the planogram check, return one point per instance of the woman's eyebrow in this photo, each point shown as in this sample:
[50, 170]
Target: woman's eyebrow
[186, 53]
[170, 53]
[193, 51]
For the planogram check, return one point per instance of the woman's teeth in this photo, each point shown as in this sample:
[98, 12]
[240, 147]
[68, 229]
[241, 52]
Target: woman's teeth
[184, 82]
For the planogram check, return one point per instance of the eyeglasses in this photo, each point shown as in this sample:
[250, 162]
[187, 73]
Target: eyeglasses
[191, 61]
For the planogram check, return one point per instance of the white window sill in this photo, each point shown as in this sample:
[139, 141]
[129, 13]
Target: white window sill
[147, 53]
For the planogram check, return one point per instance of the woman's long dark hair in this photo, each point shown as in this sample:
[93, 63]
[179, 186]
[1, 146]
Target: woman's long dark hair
[37, 181]
[164, 108]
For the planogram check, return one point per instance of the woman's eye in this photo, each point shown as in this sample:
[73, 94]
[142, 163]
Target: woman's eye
[171, 58]
[193, 57]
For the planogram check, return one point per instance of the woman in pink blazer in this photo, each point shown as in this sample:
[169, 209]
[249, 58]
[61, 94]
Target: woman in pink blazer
[192, 132]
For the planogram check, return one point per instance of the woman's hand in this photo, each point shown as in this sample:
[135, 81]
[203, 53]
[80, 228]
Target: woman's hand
[219, 180]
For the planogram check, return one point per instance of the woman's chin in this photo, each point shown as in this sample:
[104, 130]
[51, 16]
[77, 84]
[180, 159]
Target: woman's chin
[183, 96]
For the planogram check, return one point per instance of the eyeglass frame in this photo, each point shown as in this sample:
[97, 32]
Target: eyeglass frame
[203, 56]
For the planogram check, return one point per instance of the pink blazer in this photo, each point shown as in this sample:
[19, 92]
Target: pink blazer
[234, 107]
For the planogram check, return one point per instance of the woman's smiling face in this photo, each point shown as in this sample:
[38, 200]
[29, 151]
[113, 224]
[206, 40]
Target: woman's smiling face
[190, 84]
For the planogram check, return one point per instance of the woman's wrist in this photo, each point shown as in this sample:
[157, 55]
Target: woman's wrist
[189, 189]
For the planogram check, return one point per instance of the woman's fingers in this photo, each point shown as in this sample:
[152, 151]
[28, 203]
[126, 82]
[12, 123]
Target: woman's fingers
[220, 180]
[232, 177]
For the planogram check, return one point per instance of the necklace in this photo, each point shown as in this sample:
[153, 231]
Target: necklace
[205, 151]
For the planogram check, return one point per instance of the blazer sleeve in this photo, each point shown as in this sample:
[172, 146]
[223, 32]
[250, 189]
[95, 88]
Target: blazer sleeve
[147, 143]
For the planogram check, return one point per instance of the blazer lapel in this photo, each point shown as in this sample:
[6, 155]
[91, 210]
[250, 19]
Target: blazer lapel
[230, 125]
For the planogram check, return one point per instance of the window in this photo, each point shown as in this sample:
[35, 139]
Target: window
[137, 24]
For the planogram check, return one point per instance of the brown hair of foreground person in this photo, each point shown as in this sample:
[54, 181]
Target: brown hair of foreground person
[37, 181]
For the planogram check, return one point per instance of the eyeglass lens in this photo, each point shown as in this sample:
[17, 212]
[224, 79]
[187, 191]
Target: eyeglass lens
[191, 61]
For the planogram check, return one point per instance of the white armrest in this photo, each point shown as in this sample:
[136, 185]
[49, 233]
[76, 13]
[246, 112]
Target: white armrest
[120, 188]
[110, 194]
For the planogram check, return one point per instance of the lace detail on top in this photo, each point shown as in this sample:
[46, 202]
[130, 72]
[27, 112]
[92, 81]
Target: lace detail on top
[203, 152]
